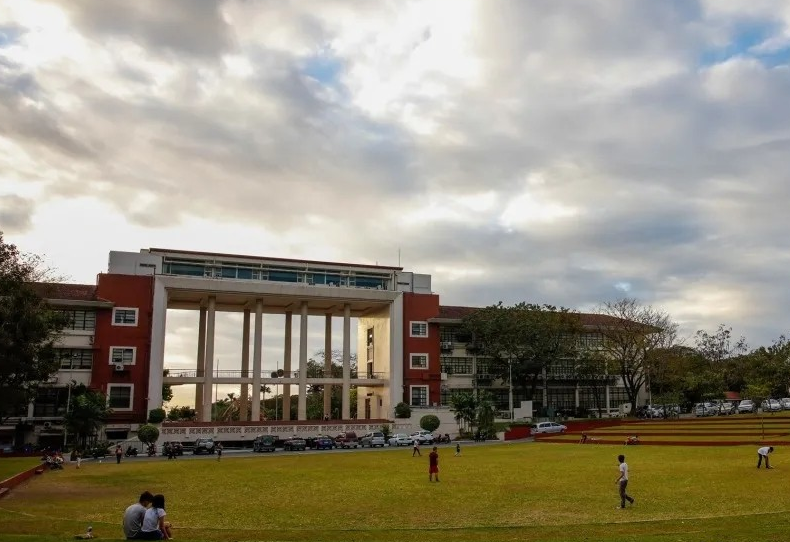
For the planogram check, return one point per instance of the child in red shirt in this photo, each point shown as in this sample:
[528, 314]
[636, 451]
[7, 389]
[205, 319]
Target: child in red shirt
[433, 465]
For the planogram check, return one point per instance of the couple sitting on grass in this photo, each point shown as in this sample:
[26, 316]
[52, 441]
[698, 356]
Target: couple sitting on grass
[145, 520]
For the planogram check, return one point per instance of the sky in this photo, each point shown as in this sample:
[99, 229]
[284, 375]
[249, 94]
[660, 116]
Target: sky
[548, 151]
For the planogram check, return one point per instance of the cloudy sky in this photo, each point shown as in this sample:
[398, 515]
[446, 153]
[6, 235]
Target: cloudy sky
[563, 152]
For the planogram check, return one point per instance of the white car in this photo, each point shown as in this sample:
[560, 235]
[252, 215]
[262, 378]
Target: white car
[771, 405]
[746, 406]
[400, 439]
[785, 403]
[548, 427]
[424, 437]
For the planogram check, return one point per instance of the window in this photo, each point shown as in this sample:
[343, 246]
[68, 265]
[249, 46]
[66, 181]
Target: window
[457, 366]
[419, 395]
[419, 329]
[74, 358]
[418, 361]
[80, 320]
[123, 354]
[119, 396]
[123, 316]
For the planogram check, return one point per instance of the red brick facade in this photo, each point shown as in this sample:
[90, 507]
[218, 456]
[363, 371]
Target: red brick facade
[420, 308]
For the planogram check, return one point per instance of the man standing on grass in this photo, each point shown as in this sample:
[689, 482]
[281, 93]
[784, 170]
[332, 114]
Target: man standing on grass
[623, 481]
[433, 465]
[762, 453]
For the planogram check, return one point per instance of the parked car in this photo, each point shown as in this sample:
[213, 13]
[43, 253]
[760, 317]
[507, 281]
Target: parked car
[548, 427]
[294, 444]
[771, 405]
[424, 437]
[747, 405]
[371, 440]
[178, 449]
[322, 442]
[204, 446]
[347, 440]
[706, 409]
[264, 443]
[785, 403]
[400, 439]
[726, 408]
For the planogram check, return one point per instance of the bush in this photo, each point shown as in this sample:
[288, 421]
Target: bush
[100, 449]
[385, 430]
[402, 410]
[157, 415]
[430, 423]
[148, 434]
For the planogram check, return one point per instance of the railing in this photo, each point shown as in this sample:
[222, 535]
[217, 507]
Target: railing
[192, 373]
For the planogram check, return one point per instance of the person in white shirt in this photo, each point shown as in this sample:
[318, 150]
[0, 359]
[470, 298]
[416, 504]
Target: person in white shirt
[416, 448]
[762, 453]
[154, 525]
[623, 481]
[133, 516]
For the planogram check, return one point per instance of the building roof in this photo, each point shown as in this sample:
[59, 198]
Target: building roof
[451, 312]
[70, 292]
[175, 252]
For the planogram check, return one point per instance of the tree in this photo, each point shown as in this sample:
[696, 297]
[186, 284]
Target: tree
[185, 413]
[148, 434]
[770, 367]
[523, 341]
[486, 413]
[717, 347]
[429, 422]
[464, 405]
[402, 410]
[88, 412]
[28, 328]
[167, 389]
[592, 373]
[156, 415]
[631, 335]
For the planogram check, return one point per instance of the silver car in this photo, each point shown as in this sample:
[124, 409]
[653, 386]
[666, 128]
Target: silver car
[548, 427]
[371, 440]
[400, 439]
[747, 405]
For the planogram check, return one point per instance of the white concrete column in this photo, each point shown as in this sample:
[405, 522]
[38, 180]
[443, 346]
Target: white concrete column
[157, 361]
[257, 346]
[396, 365]
[201, 363]
[608, 401]
[287, 365]
[545, 388]
[245, 365]
[208, 382]
[328, 365]
[577, 396]
[346, 406]
[302, 404]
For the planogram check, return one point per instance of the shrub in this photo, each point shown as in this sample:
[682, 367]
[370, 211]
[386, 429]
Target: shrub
[402, 410]
[385, 430]
[430, 423]
[157, 415]
[148, 434]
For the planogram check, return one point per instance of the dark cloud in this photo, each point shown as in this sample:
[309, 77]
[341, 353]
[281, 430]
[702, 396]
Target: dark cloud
[16, 214]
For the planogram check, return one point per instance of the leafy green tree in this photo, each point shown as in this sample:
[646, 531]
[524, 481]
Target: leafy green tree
[28, 328]
[718, 346]
[770, 366]
[386, 431]
[485, 413]
[87, 413]
[402, 410]
[185, 413]
[592, 372]
[148, 434]
[430, 422]
[167, 389]
[464, 405]
[156, 415]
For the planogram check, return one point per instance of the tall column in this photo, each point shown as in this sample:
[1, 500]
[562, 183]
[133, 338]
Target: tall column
[257, 345]
[287, 366]
[157, 358]
[302, 404]
[346, 408]
[245, 365]
[201, 363]
[328, 365]
[208, 382]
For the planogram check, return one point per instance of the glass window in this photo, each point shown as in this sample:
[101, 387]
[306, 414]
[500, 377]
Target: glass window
[124, 317]
[283, 276]
[457, 365]
[447, 334]
[419, 396]
[120, 396]
[80, 320]
[244, 273]
[120, 354]
[74, 358]
[419, 361]
[419, 329]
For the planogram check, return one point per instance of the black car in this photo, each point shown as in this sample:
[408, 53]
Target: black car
[204, 446]
[323, 443]
[294, 443]
[263, 443]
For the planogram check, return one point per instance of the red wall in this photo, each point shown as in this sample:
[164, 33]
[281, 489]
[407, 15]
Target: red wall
[421, 307]
[133, 292]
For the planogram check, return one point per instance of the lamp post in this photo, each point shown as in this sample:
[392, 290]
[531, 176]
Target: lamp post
[510, 380]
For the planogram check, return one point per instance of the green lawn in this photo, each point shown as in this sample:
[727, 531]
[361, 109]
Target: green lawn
[522, 491]
[10, 466]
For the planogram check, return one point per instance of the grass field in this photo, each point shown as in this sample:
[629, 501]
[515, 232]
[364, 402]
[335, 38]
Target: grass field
[9, 466]
[502, 492]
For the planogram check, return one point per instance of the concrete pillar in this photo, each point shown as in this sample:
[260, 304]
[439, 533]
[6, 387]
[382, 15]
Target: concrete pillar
[328, 365]
[545, 388]
[257, 346]
[201, 363]
[302, 404]
[577, 397]
[245, 365]
[157, 360]
[346, 407]
[608, 401]
[208, 382]
[287, 366]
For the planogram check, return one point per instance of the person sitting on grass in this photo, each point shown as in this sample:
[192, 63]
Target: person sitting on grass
[154, 525]
[630, 441]
[134, 515]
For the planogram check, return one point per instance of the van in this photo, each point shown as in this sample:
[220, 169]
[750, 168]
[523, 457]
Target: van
[263, 443]
[347, 440]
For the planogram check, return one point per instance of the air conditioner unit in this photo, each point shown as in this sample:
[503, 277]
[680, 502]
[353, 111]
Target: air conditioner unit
[119, 366]
[447, 345]
[444, 376]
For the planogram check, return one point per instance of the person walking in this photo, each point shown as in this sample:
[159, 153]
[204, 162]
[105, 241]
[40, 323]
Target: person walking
[219, 451]
[457, 449]
[762, 453]
[118, 454]
[416, 448]
[79, 458]
[433, 465]
[622, 480]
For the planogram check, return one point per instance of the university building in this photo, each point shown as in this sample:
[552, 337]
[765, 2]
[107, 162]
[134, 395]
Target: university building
[408, 347]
